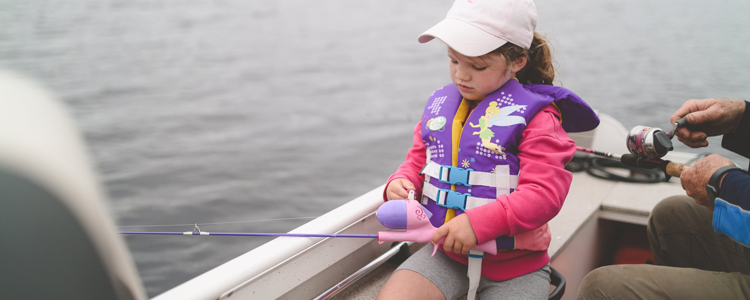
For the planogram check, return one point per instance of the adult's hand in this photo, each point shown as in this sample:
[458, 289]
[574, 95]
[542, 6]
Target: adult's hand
[708, 117]
[695, 177]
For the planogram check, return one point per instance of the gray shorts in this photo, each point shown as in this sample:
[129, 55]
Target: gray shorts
[450, 276]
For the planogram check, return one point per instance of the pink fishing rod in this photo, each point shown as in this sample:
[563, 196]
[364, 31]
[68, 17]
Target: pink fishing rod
[368, 236]
[197, 231]
[394, 214]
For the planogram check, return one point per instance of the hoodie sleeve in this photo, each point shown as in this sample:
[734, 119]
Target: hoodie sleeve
[735, 189]
[739, 141]
[415, 160]
[543, 182]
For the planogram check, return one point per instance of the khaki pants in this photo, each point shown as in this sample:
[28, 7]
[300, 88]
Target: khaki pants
[693, 261]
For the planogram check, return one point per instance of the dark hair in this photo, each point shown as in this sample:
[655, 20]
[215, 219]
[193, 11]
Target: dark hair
[539, 68]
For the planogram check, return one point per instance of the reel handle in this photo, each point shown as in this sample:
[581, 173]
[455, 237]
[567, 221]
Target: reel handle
[683, 123]
[680, 124]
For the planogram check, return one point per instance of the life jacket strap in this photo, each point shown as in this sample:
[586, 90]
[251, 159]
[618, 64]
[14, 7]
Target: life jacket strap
[467, 177]
[474, 272]
[452, 199]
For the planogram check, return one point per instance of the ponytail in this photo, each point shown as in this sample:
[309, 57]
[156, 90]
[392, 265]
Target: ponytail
[539, 68]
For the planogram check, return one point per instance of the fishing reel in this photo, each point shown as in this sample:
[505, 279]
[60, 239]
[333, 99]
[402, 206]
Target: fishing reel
[647, 145]
[649, 142]
[652, 142]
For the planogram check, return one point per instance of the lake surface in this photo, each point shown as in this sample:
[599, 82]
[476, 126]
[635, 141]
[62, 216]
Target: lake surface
[259, 115]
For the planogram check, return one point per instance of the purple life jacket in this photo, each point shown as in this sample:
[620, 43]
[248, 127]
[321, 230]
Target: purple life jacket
[487, 164]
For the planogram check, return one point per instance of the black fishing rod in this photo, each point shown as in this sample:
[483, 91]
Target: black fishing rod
[647, 145]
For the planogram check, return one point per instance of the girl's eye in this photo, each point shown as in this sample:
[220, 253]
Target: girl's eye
[454, 62]
[479, 69]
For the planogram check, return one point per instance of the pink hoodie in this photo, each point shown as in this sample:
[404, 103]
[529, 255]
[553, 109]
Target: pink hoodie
[543, 184]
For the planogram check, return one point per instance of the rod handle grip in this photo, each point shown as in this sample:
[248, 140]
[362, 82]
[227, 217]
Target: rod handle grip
[675, 169]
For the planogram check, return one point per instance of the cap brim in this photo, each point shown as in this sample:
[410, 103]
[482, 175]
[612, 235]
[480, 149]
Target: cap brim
[463, 37]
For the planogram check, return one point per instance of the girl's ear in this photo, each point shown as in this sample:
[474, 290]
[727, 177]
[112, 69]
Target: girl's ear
[518, 64]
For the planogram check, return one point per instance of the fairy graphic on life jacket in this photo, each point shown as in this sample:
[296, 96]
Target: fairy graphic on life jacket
[496, 116]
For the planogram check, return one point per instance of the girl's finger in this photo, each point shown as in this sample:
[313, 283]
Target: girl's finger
[457, 247]
[395, 194]
[409, 186]
[439, 234]
[448, 244]
[447, 247]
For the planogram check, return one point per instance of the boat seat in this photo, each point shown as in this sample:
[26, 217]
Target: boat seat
[57, 239]
[558, 281]
[45, 253]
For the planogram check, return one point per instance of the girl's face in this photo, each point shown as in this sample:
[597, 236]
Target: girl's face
[477, 77]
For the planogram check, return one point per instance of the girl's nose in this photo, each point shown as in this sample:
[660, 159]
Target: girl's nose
[462, 74]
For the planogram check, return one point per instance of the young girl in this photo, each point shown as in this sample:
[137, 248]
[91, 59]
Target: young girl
[500, 116]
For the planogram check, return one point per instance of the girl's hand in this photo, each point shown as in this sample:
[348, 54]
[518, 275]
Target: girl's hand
[459, 235]
[398, 189]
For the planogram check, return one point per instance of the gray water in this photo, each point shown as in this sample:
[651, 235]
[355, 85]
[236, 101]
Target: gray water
[234, 111]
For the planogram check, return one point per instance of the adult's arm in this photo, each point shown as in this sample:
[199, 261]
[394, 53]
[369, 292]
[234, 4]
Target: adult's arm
[739, 140]
[731, 215]
[735, 189]
[543, 182]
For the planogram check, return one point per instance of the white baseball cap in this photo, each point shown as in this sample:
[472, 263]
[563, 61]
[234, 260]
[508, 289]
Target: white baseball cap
[476, 27]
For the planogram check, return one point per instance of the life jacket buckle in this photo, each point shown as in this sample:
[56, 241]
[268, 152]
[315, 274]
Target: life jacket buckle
[453, 199]
[454, 175]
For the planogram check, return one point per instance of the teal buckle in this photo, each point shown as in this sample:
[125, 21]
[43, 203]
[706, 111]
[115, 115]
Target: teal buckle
[453, 199]
[476, 256]
[456, 175]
